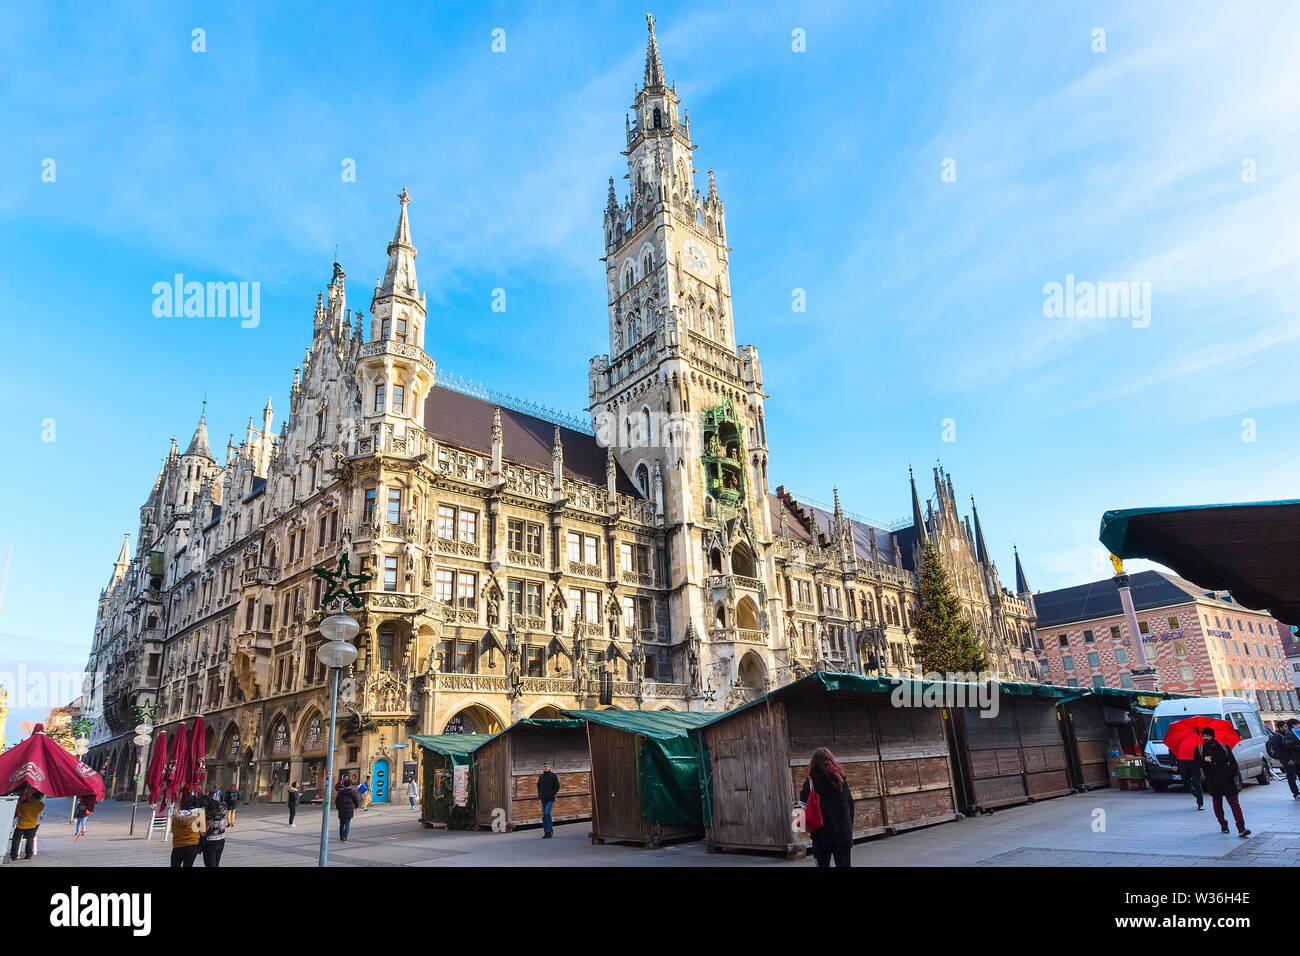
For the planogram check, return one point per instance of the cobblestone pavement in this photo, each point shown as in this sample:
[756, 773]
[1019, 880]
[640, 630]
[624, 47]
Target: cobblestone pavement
[1102, 828]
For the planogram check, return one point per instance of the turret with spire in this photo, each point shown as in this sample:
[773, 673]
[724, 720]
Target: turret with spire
[394, 373]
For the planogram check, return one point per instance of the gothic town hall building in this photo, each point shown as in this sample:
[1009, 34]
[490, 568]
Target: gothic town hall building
[514, 558]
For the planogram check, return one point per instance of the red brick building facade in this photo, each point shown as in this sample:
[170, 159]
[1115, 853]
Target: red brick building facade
[1200, 642]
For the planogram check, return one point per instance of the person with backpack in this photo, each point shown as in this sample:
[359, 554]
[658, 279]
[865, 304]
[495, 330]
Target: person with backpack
[232, 804]
[1280, 750]
[828, 810]
[79, 814]
[214, 834]
[346, 802]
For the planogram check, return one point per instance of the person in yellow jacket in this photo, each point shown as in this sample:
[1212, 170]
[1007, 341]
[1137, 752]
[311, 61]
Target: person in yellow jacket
[29, 813]
[188, 824]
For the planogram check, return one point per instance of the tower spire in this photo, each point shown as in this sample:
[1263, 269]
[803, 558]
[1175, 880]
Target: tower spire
[1022, 585]
[981, 549]
[654, 69]
[399, 276]
[918, 522]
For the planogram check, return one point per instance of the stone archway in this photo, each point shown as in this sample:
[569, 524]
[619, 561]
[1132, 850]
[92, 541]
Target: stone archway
[473, 718]
[752, 672]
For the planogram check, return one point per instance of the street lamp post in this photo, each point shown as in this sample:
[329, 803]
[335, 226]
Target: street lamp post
[336, 653]
[143, 737]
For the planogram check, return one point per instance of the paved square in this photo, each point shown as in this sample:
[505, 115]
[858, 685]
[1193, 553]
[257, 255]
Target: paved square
[1140, 829]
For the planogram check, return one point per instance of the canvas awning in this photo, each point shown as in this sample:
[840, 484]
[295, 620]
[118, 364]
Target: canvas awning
[457, 747]
[1251, 549]
[658, 724]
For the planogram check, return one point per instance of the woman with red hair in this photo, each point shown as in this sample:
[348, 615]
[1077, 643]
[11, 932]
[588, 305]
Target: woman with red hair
[834, 838]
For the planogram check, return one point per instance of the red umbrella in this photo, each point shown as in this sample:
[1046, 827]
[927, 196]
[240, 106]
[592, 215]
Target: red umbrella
[47, 767]
[198, 755]
[1184, 736]
[180, 781]
[153, 778]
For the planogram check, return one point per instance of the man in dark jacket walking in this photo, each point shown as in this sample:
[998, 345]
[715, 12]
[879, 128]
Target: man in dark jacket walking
[232, 804]
[1219, 769]
[1278, 748]
[548, 786]
[346, 802]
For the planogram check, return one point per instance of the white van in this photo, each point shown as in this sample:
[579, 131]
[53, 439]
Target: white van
[1162, 768]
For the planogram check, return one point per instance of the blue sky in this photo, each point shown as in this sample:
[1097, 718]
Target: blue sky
[924, 297]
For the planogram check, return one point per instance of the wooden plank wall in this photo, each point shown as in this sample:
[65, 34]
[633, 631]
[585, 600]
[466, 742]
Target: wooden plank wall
[490, 769]
[917, 771]
[1042, 747]
[993, 758]
[845, 726]
[566, 751]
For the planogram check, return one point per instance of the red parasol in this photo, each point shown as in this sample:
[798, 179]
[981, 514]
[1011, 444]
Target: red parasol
[40, 762]
[198, 756]
[181, 774]
[153, 779]
[1184, 736]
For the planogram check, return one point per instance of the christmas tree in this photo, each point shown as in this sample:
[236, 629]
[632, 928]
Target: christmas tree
[945, 642]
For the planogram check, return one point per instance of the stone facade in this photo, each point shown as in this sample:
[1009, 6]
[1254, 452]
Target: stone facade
[515, 558]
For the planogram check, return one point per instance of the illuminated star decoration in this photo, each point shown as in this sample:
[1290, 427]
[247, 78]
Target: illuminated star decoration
[710, 695]
[145, 712]
[343, 584]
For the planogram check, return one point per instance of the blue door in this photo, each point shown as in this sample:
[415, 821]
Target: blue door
[379, 782]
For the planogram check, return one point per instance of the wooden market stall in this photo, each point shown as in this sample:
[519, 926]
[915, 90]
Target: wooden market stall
[1099, 722]
[645, 777]
[506, 768]
[895, 760]
[441, 754]
[1013, 751]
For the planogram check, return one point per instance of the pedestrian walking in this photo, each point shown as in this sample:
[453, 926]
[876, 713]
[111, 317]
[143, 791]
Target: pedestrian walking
[28, 812]
[1280, 750]
[232, 804]
[294, 794]
[1219, 769]
[79, 816]
[412, 791]
[346, 801]
[548, 786]
[1191, 774]
[214, 834]
[188, 824]
[834, 838]
[363, 792]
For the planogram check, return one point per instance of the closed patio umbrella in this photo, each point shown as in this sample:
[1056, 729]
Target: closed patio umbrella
[198, 756]
[153, 778]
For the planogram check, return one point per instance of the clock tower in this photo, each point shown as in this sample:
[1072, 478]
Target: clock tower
[679, 402]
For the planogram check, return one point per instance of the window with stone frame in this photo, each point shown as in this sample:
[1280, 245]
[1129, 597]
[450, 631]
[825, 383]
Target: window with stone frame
[390, 574]
[468, 523]
[368, 509]
[533, 599]
[514, 534]
[574, 547]
[394, 505]
[534, 541]
[515, 597]
[466, 591]
[447, 522]
[444, 586]
[533, 662]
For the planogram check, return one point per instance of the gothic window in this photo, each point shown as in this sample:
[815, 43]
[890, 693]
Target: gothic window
[643, 480]
[681, 171]
[690, 313]
[379, 398]
[645, 427]
[629, 277]
[627, 428]
[708, 323]
[659, 119]
[648, 262]
[399, 398]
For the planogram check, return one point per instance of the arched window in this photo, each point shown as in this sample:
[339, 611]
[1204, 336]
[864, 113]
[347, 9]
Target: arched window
[648, 262]
[659, 119]
[629, 277]
[643, 480]
[690, 313]
[645, 427]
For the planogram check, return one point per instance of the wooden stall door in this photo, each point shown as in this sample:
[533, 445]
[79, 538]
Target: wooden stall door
[616, 800]
[1042, 748]
[751, 805]
[1091, 739]
[490, 770]
[993, 757]
[914, 757]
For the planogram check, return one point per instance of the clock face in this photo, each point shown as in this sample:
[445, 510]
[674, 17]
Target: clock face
[698, 257]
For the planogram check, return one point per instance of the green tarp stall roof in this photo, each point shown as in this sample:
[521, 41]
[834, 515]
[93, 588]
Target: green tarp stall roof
[828, 681]
[1130, 693]
[668, 764]
[1250, 549]
[456, 746]
[657, 724]
[546, 723]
